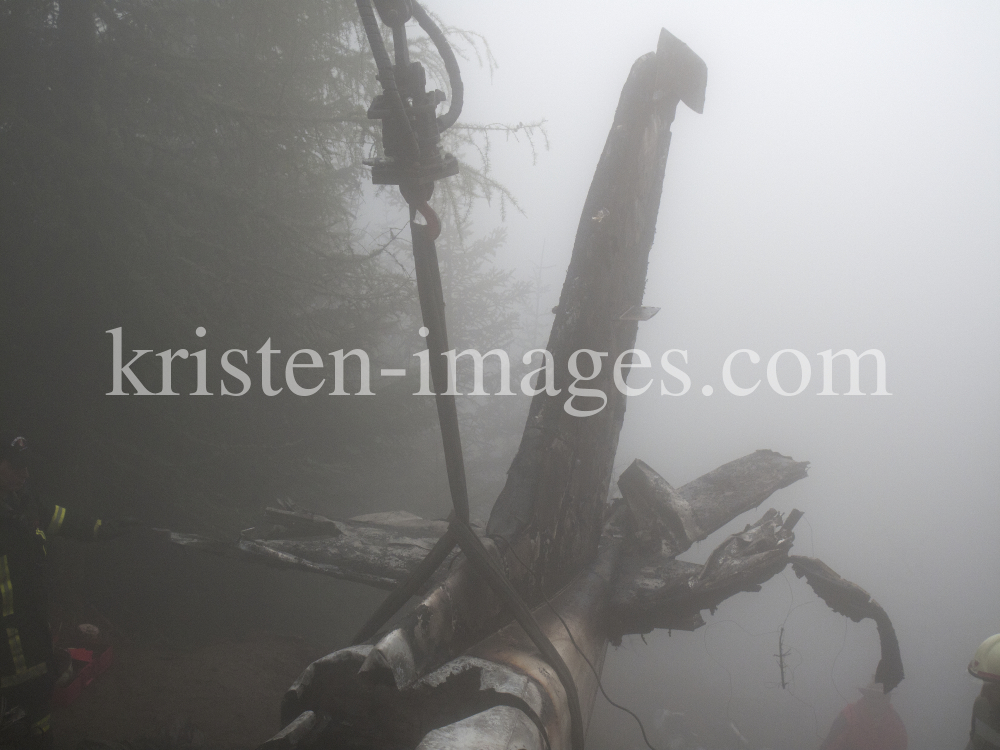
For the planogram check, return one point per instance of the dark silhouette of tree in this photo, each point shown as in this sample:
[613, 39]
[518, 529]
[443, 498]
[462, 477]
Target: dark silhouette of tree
[197, 163]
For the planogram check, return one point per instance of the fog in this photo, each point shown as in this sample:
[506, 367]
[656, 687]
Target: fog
[839, 191]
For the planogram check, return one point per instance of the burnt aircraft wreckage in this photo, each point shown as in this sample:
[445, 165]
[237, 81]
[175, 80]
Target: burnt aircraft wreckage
[505, 647]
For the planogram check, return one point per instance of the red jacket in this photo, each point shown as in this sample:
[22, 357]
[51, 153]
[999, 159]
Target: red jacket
[860, 726]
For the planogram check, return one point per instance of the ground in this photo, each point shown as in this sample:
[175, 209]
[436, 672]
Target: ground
[208, 640]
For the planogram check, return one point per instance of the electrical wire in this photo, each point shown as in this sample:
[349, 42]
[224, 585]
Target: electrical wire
[792, 607]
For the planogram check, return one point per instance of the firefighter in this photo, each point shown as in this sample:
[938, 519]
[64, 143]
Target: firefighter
[985, 732]
[26, 653]
[870, 723]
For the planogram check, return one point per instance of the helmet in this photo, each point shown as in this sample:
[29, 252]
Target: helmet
[986, 663]
[14, 448]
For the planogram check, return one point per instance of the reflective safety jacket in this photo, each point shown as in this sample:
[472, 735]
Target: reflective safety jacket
[25, 639]
[985, 733]
[859, 728]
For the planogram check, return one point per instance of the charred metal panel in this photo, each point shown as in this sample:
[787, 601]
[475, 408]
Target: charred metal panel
[371, 702]
[653, 590]
[497, 728]
[378, 549]
[852, 601]
[678, 518]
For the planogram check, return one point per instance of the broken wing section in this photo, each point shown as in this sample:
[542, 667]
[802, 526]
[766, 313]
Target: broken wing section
[854, 602]
[679, 518]
[658, 591]
[655, 590]
[378, 549]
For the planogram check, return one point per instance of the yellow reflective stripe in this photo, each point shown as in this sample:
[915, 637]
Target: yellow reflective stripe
[16, 652]
[6, 588]
[57, 518]
[43, 725]
[29, 674]
[97, 525]
[21, 671]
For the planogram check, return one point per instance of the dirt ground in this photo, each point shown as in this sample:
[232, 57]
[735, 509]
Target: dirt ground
[229, 691]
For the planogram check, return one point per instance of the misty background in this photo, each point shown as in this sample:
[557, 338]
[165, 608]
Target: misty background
[840, 191]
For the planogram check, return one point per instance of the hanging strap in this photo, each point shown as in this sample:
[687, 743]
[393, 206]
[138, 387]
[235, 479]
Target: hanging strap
[459, 531]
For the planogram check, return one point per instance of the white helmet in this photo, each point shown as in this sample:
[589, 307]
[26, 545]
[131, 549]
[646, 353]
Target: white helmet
[986, 663]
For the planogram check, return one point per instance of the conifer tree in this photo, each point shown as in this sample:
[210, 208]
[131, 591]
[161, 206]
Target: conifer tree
[166, 167]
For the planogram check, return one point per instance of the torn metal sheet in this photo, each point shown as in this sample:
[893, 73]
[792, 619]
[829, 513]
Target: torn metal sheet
[459, 704]
[852, 601]
[497, 728]
[378, 549]
[653, 590]
[678, 518]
